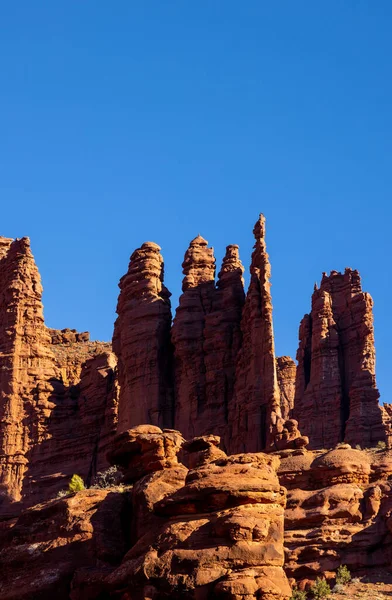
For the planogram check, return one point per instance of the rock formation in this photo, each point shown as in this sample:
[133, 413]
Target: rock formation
[256, 403]
[195, 303]
[222, 341]
[336, 396]
[26, 363]
[58, 405]
[338, 512]
[219, 534]
[141, 342]
[286, 372]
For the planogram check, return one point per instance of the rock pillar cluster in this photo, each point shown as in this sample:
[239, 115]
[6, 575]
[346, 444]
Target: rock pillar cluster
[336, 396]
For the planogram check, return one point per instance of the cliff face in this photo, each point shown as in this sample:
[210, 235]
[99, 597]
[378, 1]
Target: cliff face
[336, 396]
[45, 423]
[142, 344]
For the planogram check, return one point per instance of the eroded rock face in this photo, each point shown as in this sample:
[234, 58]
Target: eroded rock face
[58, 405]
[26, 363]
[338, 511]
[195, 303]
[336, 396]
[219, 534]
[80, 538]
[142, 344]
[286, 370]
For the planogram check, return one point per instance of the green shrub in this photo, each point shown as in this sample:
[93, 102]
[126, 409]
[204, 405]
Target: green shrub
[381, 445]
[320, 589]
[298, 595]
[343, 575]
[76, 484]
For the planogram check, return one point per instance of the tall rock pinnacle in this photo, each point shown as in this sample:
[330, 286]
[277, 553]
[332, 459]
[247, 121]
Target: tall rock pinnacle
[26, 362]
[336, 396]
[222, 342]
[141, 342]
[188, 335]
[255, 407]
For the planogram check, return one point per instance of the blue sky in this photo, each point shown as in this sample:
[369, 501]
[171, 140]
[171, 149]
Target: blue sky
[131, 121]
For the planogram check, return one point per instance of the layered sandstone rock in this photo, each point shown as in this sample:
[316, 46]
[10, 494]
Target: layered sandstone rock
[142, 344]
[71, 350]
[222, 341]
[286, 372]
[26, 364]
[64, 548]
[336, 396]
[338, 511]
[220, 534]
[58, 405]
[256, 404]
[82, 424]
[195, 303]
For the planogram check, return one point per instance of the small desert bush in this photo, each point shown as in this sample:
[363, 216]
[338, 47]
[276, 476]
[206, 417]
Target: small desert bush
[355, 580]
[76, 484]
[358, 447]
[343, 575]
[338, 588]
[106, 479]
[320, 589]
[298, 595]
[62, 494]
[381, 445]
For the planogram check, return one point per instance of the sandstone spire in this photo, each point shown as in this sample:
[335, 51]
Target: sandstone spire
[255, 406]
[25, 362]
[336, 396]
[222, 341]
[188, 335]
[141, 341]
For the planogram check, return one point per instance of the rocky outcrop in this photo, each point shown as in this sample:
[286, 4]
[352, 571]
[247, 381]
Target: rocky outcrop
[338, 512]
[58, 405]
[336, 396]
[286, 373]
[256, 402]
[141, 342]
[195, 303]
[220, 534]
[64, 548]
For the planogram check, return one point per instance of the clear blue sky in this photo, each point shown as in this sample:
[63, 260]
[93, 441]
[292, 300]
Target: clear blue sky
[123, 121]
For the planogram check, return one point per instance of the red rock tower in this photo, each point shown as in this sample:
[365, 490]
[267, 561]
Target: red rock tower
[256, 403]
[195, 303]
[336, 395]
[142, 344]
[26, 363]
